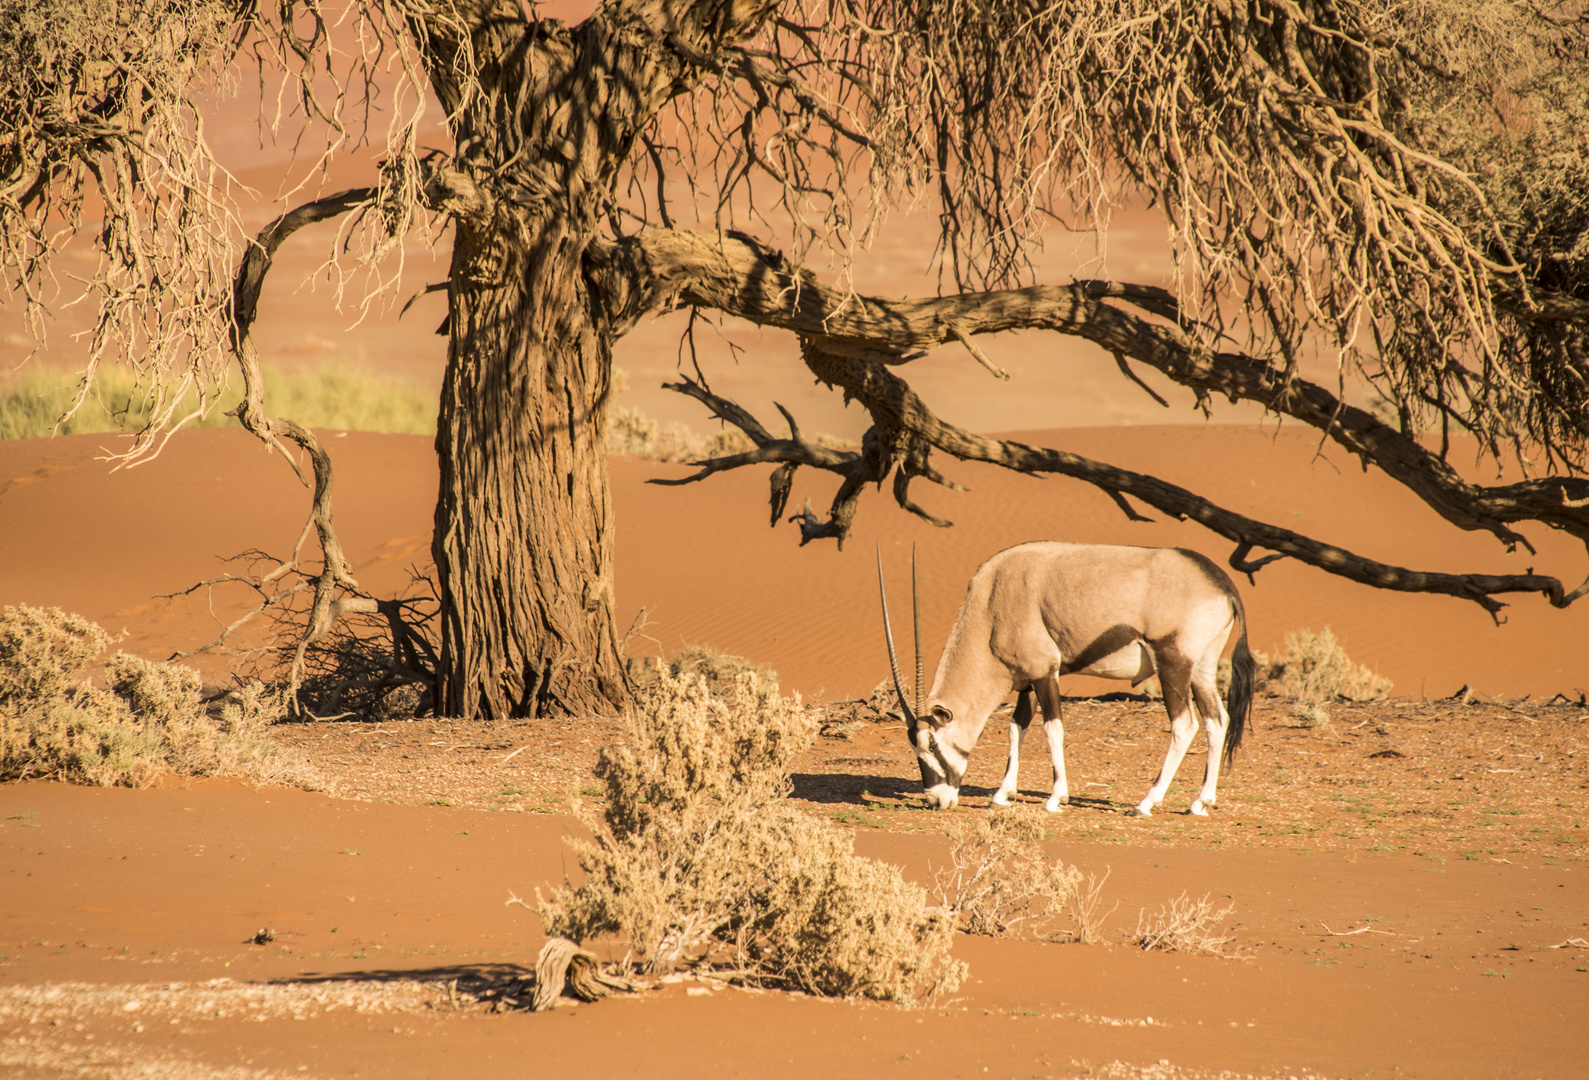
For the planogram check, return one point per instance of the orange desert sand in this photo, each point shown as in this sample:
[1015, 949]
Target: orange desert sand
[1360, 956]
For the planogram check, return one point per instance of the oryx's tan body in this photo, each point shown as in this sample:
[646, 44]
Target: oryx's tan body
[1040, 610]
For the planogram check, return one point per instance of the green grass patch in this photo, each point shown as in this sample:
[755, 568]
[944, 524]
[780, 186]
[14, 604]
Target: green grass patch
[345, 397]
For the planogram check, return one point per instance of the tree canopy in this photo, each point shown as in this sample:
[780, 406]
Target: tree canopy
[1398, 188]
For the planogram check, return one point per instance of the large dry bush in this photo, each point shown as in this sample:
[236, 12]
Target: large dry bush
[149, 718]
[698, 860]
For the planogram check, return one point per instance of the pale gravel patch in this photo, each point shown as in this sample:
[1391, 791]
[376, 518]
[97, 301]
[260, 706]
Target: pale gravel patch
[220, 999]
[1163, 1070]
[34, 1057]
[53, 1012]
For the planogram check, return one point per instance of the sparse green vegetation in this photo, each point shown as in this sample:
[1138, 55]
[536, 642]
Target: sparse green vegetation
[343, 396]
[147, 720]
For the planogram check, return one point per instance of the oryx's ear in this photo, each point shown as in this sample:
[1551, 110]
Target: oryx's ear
[941, 716]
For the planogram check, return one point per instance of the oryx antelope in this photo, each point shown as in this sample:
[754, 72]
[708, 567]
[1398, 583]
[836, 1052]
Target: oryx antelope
[1037, 611]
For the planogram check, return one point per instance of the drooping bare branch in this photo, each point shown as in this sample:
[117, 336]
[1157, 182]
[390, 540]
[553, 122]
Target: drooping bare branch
[336, 592]
[870, 466]
[736, 275]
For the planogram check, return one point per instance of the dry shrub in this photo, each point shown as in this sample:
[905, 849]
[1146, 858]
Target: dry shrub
[149, 720]
[1000, 876]
[698, 860]
[1085, 909]
[722, 670]
[1185, 925]
[1314, 670]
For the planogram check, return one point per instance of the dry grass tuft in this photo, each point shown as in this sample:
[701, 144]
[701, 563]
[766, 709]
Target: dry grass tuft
[1314, 671]
[1000, 876]
[722, 670]
[699, 861]
[54, 724]
[1084, 908]
[1187, 926]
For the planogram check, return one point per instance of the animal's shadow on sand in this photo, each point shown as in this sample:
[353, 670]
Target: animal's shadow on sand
[895, 793]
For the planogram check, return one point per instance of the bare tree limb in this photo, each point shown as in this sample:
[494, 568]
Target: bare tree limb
[738, 276]
[335, 575]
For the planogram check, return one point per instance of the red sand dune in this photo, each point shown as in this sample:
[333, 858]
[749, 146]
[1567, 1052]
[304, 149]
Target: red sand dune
[707, 568]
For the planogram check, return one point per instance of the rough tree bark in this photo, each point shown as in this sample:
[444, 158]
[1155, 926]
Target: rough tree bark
[523, 536]
[543, 117]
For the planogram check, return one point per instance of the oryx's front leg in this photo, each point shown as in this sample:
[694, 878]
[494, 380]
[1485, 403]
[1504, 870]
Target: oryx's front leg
[1020, 720]
[1175, 678]
[1048, 699]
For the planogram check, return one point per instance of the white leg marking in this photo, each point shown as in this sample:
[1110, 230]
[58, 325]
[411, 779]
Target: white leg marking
[1216, 721]
[1007, 786]
[1055, 730]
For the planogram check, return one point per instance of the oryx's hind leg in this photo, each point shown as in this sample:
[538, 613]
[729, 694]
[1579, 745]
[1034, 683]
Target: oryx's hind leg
[1047, 689]
[1205, 691]
[1020, 720]
[1175, 677]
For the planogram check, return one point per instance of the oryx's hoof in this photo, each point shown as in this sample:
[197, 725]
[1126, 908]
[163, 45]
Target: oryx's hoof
[1145, 810]
[1197, 809]
[1001, 798]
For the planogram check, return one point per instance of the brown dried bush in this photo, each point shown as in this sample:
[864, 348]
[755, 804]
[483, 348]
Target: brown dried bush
[722, 670]
[698, 860]
[999, 876]
[149, 720]
[1185, 925]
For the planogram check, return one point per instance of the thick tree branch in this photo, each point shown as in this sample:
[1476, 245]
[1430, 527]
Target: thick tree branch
[736, 275]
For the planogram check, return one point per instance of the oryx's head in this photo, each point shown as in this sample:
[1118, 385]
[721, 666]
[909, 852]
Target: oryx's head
[942, 763]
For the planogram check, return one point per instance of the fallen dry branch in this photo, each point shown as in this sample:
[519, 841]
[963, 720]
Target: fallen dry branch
[563, 967]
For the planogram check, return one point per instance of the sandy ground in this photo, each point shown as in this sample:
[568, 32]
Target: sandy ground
[1423, 915]
[1408, 882]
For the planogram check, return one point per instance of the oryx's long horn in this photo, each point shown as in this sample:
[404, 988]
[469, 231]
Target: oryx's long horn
[893, 659]
[915, 611]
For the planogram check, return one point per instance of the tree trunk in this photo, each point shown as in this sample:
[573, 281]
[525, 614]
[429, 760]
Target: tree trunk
[524, 525]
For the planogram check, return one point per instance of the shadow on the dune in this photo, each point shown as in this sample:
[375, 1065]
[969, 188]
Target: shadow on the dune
[863, 790]
[853, 788]
[467, 975]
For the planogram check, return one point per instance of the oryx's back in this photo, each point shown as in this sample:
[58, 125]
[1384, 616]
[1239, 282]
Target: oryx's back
[1094, 601]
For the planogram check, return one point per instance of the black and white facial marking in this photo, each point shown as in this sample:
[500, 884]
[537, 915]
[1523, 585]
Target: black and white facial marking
[943, 765]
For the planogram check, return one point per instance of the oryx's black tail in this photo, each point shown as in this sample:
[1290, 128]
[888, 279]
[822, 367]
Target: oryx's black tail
[1243, 679]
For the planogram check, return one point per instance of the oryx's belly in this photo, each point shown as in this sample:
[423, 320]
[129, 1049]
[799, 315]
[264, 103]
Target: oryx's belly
[1133, 662]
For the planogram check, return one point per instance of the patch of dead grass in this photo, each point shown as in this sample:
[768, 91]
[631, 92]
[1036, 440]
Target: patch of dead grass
[1185, 925]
